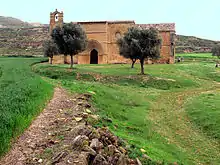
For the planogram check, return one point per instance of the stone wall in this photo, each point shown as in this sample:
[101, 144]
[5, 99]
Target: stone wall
[116, 29]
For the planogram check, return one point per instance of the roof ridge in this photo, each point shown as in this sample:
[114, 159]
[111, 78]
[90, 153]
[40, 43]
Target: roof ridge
[159, 26]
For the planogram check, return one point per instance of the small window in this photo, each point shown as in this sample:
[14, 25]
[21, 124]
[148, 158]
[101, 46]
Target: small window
[117, 35]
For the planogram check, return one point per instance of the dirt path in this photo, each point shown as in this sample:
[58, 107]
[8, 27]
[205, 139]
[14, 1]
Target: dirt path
[46, 132]
[61, 135]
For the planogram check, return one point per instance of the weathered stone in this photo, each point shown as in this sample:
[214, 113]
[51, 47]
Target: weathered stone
[87, 105]
[113, 159]
[74, 100]
[131, 161]
[92, 92]
[142, 150]
[94, 134]
[81, 98]
[83, 158]
[146, 157]
[122, 160]
[138, 161]
[40, 161]
[108, 119]
[58, 157]
[100, 145]
[111, 150]
[122, 150]
[113, 139]
[102, 131]
[99, 160]
[94, 143]
[75, 131]
[78, 119]
[87, 95]
[80, 103]
[85, 115]
[80, 141]
[85, 131]
[117, 151]
[89, 150]
[88, 111]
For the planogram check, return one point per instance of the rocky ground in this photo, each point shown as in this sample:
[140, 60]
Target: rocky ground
[62, 134]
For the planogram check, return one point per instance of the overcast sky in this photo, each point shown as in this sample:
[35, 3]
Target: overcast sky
[192, 17]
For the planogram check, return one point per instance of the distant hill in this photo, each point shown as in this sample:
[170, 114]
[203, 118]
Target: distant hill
[18, 37]
[189, 44]
[10, 22]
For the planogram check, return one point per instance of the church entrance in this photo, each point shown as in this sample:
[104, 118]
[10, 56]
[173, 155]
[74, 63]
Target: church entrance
[94, 57]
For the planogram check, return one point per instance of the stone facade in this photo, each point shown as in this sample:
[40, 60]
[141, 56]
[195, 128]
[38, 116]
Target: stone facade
[102, 37]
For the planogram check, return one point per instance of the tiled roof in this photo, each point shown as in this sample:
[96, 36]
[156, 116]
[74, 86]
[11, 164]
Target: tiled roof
[160, 27]
[122, 21]
[85, 22]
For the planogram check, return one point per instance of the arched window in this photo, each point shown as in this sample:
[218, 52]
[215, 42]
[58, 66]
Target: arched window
[56, 17]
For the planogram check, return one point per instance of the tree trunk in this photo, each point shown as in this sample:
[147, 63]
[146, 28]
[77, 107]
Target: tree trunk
[51, 60]
[133, 62]
[142, 66]
[71, 66]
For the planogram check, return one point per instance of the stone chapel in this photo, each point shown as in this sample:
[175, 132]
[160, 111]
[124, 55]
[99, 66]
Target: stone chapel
[102, 36]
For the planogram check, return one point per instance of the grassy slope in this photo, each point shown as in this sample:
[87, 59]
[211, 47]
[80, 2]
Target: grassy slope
[149, 112]
[22, 96]
[204, 111]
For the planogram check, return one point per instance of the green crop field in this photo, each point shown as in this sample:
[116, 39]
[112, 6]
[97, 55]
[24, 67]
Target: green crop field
[197, 56]
[22, 96]
[172, 112]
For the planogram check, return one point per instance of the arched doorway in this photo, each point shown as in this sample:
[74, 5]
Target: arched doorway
[94, 57]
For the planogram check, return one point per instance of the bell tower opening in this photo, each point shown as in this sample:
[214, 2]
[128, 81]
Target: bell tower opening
[94, 57]
[56, 19]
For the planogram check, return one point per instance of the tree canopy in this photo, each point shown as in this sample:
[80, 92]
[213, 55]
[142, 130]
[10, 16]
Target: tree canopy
[216, 50]
[71, 39]
[140, 44]
[50, 49]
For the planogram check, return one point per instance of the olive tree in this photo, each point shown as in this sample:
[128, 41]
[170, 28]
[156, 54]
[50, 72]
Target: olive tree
[216, 52]
[127, 50]
[70, 38]
[50, 49]
[140, 44]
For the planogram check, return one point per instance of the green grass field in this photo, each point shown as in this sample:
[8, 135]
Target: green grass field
[22, 96]
[195, 55]
[204, 111]
[172, 112]
[198, 57]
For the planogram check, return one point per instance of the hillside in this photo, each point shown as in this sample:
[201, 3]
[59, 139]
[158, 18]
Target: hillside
[22, 38]
[22, 41]
[10, 22]
[187, 44]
